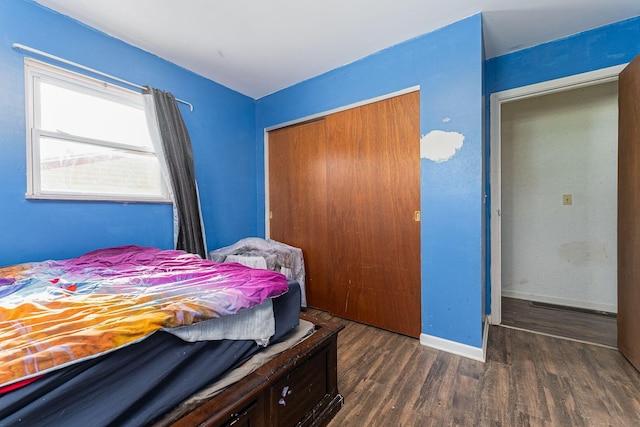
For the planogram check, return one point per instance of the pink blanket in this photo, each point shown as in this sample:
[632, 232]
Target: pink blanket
[55, 313]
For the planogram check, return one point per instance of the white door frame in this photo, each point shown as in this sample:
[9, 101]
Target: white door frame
[603, 75]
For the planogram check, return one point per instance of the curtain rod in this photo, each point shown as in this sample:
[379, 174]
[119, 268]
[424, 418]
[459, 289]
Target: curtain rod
[22, 47]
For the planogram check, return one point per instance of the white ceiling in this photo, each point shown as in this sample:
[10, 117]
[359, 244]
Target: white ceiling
[257, 47]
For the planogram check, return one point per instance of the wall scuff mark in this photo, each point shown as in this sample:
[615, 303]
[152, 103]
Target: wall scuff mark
[583, 253]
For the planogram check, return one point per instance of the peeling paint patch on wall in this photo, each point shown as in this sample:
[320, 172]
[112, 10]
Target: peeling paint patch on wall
[440, 146]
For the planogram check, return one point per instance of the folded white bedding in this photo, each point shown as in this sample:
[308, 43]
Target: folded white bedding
[255, 323]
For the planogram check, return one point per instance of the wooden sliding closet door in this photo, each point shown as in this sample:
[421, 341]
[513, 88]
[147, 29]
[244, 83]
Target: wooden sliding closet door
[373, 177]
[297, 200]
[345, 189]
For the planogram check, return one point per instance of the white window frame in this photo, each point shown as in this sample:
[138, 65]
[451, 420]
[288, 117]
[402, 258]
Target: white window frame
[39, 71]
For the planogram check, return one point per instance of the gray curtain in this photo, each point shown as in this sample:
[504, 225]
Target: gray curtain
[175, 149]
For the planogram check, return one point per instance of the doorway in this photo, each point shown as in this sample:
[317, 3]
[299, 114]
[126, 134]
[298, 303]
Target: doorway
[553, 222]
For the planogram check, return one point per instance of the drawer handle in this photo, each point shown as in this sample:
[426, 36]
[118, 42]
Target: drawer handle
[286, 390]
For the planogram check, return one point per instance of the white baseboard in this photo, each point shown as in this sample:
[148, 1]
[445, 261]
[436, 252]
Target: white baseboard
[454, 347]
[609, 308]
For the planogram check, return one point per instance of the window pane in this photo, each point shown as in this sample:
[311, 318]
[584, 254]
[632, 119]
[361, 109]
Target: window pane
[72, 167]
[91, 116]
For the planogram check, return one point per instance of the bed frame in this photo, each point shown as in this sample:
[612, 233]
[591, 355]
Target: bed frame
[297, 388]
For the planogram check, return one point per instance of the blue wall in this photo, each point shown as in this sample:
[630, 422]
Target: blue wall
[222, 130]
[602, 47]
[447, 64]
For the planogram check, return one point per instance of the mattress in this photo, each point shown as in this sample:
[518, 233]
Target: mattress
[137, 384]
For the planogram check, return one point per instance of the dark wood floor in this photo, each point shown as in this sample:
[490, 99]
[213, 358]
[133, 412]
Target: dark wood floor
[528, 380]
[588, 326]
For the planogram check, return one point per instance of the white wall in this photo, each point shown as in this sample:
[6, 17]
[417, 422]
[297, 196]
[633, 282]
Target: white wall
[563, 143]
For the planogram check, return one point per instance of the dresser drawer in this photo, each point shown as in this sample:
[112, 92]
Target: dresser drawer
[302, 388]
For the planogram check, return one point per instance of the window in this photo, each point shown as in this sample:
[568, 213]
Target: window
[87, 139]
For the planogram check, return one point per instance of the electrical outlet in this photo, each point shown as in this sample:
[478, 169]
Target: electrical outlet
[567, 199]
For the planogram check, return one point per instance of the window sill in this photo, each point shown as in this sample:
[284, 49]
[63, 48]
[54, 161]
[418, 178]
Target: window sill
[97, 198]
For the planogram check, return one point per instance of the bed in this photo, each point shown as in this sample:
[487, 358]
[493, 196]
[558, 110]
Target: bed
[184, 348]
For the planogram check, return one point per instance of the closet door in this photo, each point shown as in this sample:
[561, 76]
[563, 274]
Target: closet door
[297, 200]
[373, 182]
